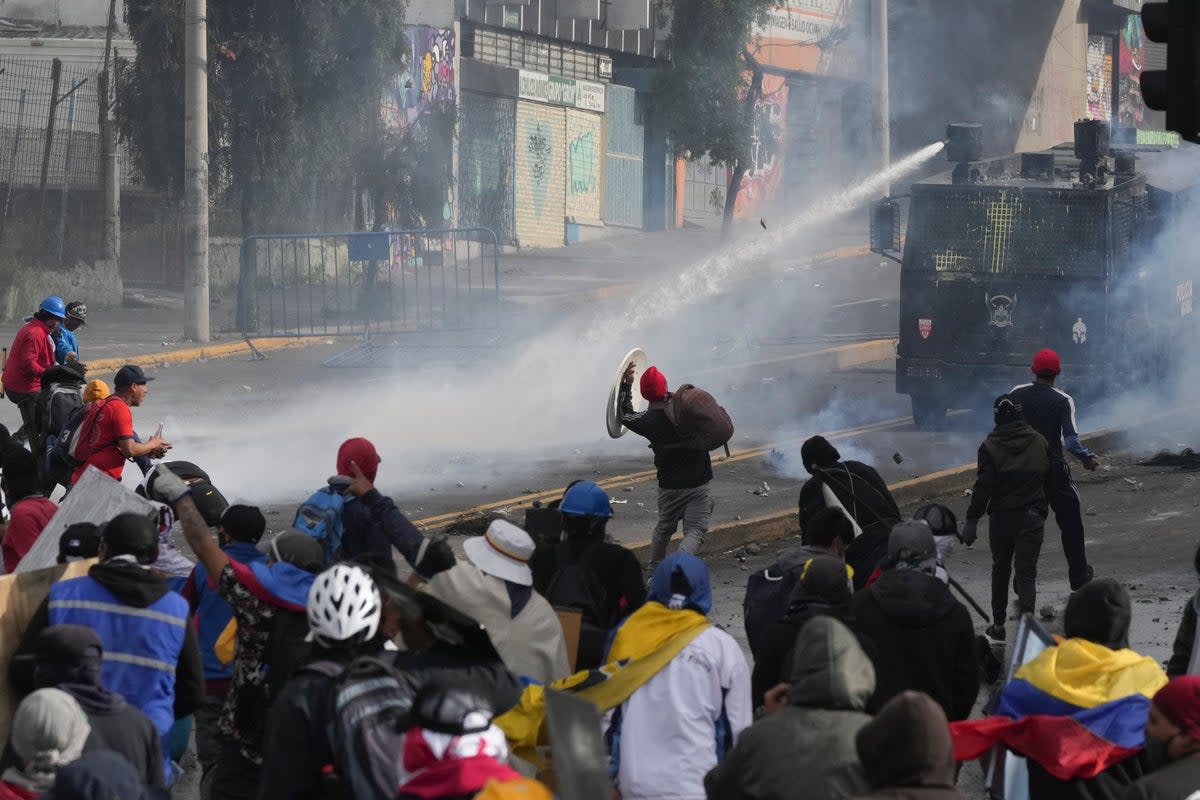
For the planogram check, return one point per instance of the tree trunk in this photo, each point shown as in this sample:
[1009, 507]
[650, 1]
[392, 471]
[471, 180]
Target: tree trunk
[753, 95]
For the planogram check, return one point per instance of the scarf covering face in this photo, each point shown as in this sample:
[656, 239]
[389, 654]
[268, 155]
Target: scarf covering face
[48, 732]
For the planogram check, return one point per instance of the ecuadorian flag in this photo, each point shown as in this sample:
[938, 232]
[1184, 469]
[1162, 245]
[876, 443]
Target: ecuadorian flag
[1076, 709]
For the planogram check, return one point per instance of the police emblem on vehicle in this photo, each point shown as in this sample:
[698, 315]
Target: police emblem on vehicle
[1000, 309]
[925, 327]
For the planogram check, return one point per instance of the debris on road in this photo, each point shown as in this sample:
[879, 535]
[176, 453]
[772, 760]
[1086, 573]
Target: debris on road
[763, 490]
[1185, 459]
[1136, 484]
[898, 457]
[618, 502]
[627, 489]
[1048, 612]
[475, 524]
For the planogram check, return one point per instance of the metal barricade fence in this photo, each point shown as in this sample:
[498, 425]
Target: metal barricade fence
[370, 284]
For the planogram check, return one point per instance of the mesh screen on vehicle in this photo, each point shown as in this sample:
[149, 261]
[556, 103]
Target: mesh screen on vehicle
[1007, 231]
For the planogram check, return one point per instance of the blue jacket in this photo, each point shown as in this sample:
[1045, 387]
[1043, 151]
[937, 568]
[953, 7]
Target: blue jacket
[212, 612]
[142, 645]
[64, 342]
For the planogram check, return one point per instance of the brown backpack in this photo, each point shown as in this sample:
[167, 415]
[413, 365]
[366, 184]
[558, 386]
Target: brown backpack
[698, 418]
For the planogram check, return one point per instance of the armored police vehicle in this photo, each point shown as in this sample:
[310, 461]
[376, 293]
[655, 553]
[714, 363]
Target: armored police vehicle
[1076, 248]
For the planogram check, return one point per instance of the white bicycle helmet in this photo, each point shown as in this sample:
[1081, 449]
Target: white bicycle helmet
[343, 606]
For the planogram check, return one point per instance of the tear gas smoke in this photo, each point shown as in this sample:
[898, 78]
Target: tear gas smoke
[711, 276]
[480, 422]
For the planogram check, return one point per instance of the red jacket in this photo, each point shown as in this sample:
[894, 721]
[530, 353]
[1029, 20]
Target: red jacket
[31, 354]
[28, 517]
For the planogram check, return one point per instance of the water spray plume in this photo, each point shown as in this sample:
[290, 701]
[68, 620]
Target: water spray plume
[710, 276]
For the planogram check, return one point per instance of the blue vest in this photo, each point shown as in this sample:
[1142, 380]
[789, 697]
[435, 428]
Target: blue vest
[213, 613]
[141, 645]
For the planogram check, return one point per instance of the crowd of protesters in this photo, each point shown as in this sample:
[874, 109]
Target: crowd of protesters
[299, 664]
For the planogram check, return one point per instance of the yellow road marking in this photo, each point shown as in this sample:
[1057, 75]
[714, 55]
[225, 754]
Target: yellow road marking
[527, 500]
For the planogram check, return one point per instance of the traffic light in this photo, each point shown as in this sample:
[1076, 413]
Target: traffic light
[1176, 90]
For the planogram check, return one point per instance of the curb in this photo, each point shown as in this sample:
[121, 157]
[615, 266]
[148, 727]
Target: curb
[190, 355]
[782, 524]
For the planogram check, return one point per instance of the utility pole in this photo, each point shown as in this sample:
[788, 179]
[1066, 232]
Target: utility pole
[195, 172]
[110, 165]
[881, 115]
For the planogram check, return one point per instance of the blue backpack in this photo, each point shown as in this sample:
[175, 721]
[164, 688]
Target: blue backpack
[320, 516]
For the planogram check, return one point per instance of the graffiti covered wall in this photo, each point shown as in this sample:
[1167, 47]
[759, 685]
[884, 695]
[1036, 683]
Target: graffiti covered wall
[1099, 77]
[764, 174]
[426, 78]
[1131, 109]
[541, 171]
[486, 155]
[585, 144]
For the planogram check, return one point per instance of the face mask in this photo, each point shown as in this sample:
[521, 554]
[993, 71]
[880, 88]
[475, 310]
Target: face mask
[1155, 752]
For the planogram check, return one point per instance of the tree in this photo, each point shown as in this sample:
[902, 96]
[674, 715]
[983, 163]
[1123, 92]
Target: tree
[294, 92]
[708, 94]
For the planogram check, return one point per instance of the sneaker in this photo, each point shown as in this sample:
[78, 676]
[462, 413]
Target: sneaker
[995, 633]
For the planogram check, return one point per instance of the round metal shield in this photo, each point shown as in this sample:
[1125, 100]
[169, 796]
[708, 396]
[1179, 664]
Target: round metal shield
[612, 413]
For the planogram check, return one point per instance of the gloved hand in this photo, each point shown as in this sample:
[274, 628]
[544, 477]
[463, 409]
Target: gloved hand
[434, 556]
[970, 532]
[165, 486]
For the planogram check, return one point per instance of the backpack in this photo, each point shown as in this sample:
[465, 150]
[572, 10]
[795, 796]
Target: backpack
[766, 602]
[698, 418]
[320, 516]
[368, 717]
[61, 401]
[574, 586]
[77, 429]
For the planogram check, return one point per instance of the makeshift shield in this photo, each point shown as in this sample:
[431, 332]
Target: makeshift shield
[612, 412]
[576, 749]
[1006, 774]
[95, 497]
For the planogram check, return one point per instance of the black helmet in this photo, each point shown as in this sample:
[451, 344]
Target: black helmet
[131, 535]
[940, 519]
[451, 710]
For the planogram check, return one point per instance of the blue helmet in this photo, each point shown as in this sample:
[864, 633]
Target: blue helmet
[586, 499]
[54, 305]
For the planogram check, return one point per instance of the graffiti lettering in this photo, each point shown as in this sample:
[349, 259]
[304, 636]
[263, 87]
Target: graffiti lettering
[540, 144]
[581, 163]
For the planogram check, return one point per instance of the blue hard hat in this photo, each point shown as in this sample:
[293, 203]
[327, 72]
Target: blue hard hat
[54, 305]
[586, 499]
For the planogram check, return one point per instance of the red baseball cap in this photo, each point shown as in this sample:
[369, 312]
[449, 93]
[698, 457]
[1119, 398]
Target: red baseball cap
[653, 385]
[1046, 363]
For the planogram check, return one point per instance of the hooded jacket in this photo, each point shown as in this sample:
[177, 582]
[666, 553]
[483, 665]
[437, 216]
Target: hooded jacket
[923, 639]
[907, 753]
[809, 743]
[1013, 462]
[860, 489]
[682, 722]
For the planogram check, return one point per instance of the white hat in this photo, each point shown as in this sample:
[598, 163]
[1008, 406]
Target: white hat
[503, 552]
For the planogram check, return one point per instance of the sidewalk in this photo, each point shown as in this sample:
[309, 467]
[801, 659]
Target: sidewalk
[149, 329]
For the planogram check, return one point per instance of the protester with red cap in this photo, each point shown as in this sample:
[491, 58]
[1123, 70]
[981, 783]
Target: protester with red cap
[371, 522]
[684, 473]
[1051, 412]
[1172, 743]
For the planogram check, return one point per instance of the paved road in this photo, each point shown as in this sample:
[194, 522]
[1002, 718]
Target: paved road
[1145, 537]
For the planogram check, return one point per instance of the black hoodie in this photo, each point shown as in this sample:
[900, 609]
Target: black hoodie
[1013, 462]
[923, 640]
[135, 586]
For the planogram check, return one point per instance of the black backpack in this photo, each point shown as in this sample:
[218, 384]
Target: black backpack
[58, 403]
[368, 716]
[766, 602]
[575, 587]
